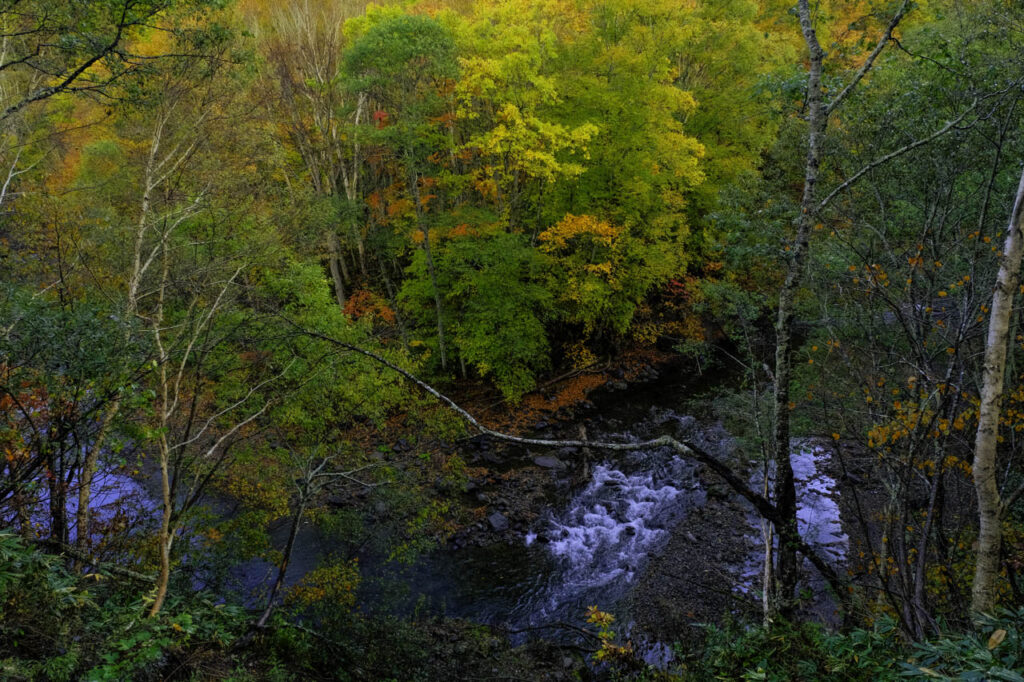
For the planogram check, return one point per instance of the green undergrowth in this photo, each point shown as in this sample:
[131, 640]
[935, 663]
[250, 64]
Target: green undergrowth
[58, 625]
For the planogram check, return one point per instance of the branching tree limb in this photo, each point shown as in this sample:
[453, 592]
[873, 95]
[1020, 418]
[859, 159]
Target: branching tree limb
[787, 532]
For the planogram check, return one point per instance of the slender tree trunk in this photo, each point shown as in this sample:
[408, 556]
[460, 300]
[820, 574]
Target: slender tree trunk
[922, 618]
[165, 537]
[437, 297]
[336, 267]
[84, 514]
[787, 568]
[984, 590]
[768, 577]
[282, 569]
[360, 251]
[58, 497]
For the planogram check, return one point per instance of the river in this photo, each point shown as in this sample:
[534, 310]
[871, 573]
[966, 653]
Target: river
[593, 542]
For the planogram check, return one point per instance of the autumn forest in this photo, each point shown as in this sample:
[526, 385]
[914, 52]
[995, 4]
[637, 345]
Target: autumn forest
[511, 339]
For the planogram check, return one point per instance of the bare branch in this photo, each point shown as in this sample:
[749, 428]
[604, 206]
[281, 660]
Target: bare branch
[892, 155]
[869, 62]
[685, 449]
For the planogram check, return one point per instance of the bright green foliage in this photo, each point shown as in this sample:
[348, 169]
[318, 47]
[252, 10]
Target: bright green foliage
[619, 76]
[508, 94]
[807, 652]
[497, 304]
[723, 55]
[316, 409]
[407, 64]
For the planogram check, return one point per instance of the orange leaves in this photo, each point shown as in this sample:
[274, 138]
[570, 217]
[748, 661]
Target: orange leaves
[365, 303]
[573, 227]
[463, 230]
[399, 207]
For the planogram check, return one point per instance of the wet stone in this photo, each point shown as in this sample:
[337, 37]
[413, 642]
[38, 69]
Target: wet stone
[549, 462]
[498, 521]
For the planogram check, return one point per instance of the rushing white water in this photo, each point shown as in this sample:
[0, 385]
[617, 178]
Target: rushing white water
[607, 533]
[818, 516]
[616, 520]
[818, 511]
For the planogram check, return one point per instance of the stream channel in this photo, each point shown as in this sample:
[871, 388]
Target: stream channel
[595, 538]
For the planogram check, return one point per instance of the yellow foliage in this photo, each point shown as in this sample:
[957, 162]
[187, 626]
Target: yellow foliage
[334, 584]
[571, 227]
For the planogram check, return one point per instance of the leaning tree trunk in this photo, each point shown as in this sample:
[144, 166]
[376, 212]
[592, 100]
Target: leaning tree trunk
[282, 568]
[990, 507]
[83, 515]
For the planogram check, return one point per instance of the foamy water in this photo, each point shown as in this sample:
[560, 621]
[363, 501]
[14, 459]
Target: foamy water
[605, 536]
[818, 516]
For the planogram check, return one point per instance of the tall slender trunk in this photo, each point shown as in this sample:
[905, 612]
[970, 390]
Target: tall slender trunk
[768, 576]
[336, 267]
[351, 182]
[58, 496]
[984, 590]
[165, 535]
[787, 567]
[140, 265]
[922, 619]
[360, 250]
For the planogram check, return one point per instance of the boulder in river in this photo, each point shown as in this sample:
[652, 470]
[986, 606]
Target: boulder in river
[549, 462]
[498, 521]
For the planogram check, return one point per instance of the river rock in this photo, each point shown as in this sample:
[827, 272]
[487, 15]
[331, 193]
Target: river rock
[549, 462]
[498, 521]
